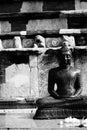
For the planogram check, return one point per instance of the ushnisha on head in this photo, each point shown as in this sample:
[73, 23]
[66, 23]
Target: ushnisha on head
[39, 41]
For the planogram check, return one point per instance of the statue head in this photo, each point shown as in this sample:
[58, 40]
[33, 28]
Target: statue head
[66, 56]
[66, 50]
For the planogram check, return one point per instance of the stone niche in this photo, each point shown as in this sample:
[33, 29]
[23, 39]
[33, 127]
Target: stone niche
[25, 74]
[18, 75]
[48, 61]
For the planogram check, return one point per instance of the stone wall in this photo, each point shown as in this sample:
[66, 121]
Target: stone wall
[25, 74]
[81, 63]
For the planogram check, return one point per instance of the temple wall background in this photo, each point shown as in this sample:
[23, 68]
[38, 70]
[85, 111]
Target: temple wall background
[25, 74]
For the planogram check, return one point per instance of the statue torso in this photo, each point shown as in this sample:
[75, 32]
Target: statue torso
[65, 80]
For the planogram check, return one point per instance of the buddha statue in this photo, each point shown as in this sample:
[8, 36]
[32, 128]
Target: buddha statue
[68, 90]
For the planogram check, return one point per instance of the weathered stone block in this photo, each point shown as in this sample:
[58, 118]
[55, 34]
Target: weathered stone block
[83, 5]
[31, 6]
[28, 43]
[34, 76]
[17, 81]
[77, 4]
[17, 41]
[45, 63]
[47, 24]
[34, 82]
[55, 5]
[81, 63]
[53, 42]
[9, 91]
[5, 26]
[9, 43]
[18, 25]
[1, 46]
[79, 22]
[10, 6]
[32, 61]
[10, 71]
[80, 4]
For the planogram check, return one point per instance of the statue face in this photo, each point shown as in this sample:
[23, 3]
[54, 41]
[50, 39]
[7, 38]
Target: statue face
[66, 59]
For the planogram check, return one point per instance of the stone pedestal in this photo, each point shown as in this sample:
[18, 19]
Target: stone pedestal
[75, 107]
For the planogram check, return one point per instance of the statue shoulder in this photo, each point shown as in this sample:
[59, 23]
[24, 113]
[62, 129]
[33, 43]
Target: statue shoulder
[53, 70]
[77, 71]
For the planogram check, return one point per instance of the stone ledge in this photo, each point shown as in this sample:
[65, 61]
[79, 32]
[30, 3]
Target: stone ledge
[45, 33]
[16, 104]
[44, 15]
[39, 49]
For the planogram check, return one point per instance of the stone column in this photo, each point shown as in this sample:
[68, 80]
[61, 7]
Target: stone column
[18, 43]
[34, 76]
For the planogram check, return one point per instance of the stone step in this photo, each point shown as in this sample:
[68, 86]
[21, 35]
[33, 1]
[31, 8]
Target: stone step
[19, 111]
[44, 14]
[16, 104]
[57, 113]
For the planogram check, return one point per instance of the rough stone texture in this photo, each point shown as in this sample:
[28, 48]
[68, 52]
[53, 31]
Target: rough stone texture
[1, 46]
[6, 7]
[31, 6]
[17, 41]
[3, 59]
[80, 4]
[81, 63]
[84, 5]
[33, 76]
[79, 22]
[31, 79]
[8, 43]
[34, 83]
[9, 91]
[55, 5]
[14, 78]
[53, 42]
[77, 4]
[46, 24]
[27, 43]
[17, 81]
[45, 62]
[18, 25]
[5, 26]
[17, 70]
[33, 61]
